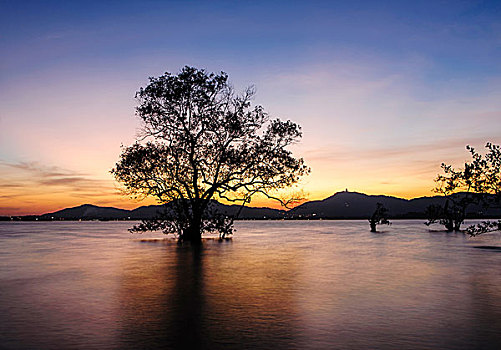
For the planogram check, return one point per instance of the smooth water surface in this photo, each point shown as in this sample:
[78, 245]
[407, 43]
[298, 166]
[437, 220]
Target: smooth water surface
[277, 284]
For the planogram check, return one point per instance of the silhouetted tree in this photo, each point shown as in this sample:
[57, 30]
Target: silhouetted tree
[379, 217]
[486, 181]
[200, 141]
[478, 182]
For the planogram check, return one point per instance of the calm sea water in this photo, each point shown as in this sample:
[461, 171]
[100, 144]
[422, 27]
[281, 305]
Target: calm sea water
[277, 284]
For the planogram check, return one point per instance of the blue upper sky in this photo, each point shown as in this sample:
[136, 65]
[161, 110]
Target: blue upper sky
[460, 38]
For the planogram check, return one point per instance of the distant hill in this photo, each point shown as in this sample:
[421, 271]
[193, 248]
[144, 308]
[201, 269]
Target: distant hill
[93, 212]
[87, 212]
[341, 205]
[354, 205]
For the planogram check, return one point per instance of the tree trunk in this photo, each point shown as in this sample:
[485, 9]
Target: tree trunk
[449, 225]
[459, 220]
[194, 231]
[373, 226]
[192, 234]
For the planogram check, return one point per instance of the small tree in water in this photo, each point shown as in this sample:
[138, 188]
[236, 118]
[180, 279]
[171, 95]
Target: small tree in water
[200, 141]
[379, 217]
[479, 182]
[451, 214]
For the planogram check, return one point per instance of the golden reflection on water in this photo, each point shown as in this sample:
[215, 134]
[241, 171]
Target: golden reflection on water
[195, 298]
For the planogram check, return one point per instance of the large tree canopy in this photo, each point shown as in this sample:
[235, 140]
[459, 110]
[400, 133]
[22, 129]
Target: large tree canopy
[202, 141]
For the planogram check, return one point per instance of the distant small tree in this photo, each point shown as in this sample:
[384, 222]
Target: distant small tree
[200, 141]
[478, 182]
[379, 217]
[451, 215]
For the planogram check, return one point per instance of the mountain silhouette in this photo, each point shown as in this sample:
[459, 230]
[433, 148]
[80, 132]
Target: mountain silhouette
[354, 205]
[341, 205]
[87, 212]
[93, 212]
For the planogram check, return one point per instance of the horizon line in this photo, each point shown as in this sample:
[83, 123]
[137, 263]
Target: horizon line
[229, 204]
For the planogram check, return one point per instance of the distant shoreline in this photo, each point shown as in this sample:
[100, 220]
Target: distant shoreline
[30, 218]
[340, 206]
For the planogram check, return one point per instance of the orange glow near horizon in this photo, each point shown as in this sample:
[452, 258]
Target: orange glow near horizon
[32, 188]
[42, 203]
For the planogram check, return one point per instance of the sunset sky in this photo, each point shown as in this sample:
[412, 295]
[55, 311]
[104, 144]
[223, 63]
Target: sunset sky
[384, 90]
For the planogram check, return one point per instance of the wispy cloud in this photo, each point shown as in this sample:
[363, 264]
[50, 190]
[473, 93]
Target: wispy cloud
[10, 185]
[430, 151]
[39, 169]
[64, 181]
[50, 176]
[31, 187]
